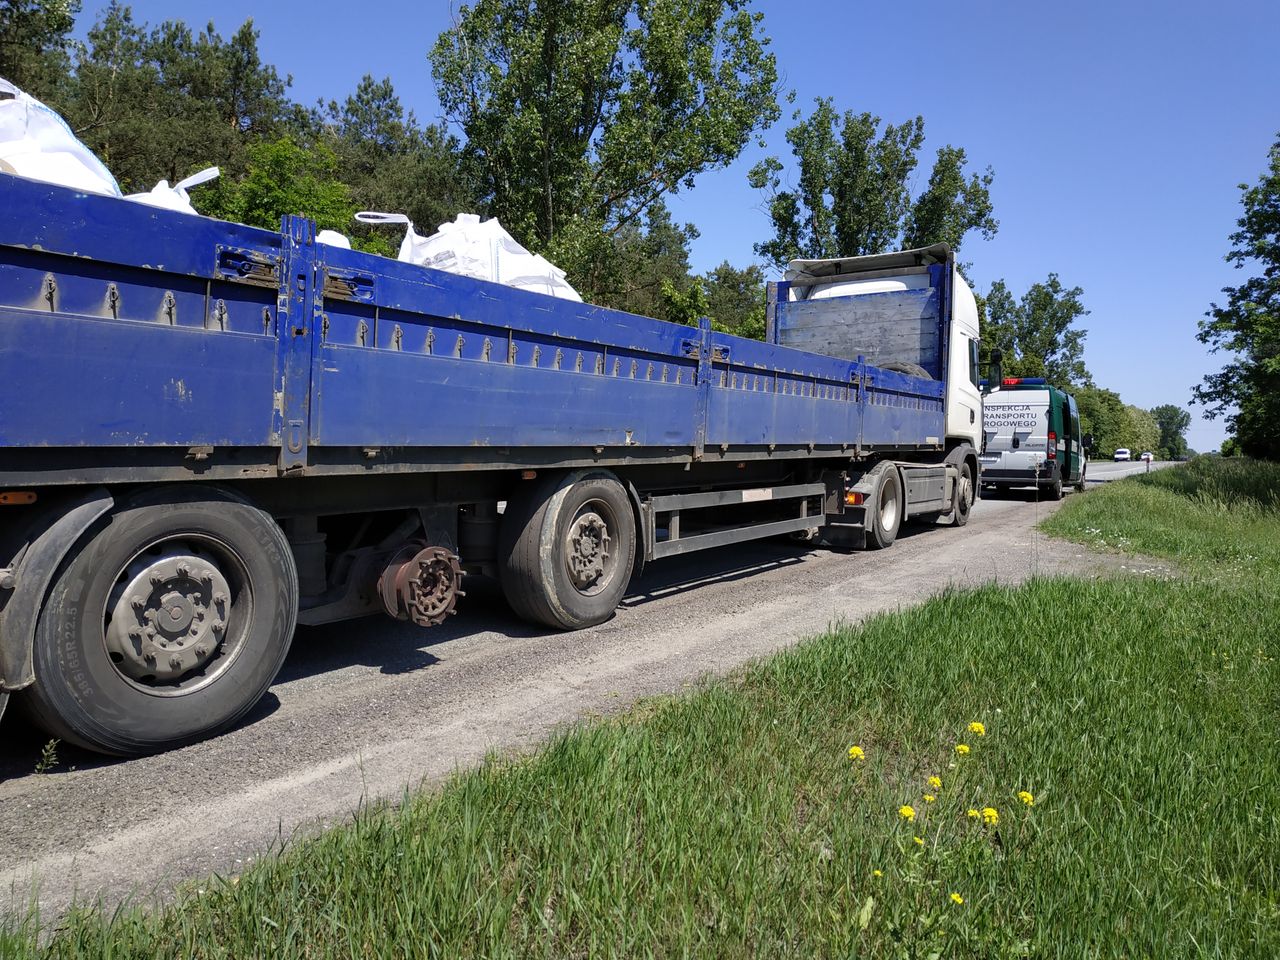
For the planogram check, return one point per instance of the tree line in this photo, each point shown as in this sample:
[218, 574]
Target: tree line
[573, 122]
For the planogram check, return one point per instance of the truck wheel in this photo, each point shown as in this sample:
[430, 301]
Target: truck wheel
[962, 503]
[884, 510]
[165, 625]
[567, 549]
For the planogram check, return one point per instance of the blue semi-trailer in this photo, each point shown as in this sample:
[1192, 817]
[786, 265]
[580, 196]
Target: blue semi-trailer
[210, 433]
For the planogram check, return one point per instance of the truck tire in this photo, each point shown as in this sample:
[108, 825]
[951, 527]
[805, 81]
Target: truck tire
[567, 548]
[884, 510]
[165, 624]
[910, 369]
[962, 499]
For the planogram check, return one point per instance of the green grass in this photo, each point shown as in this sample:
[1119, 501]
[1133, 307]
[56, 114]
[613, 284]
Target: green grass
[1140, 712]
[1221, 515]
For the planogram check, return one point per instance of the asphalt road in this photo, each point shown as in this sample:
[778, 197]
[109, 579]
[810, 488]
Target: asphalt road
[364, 709]
[1100, 471]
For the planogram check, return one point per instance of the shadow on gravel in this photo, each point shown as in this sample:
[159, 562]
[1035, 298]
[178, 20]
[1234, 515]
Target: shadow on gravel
[400, 648]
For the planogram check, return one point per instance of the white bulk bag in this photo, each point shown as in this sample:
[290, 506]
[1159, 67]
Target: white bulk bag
[35, 142]
[480, 249]
[175, 197]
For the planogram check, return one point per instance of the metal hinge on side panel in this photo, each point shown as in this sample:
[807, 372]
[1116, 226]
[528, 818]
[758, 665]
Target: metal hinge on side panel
[248, 266]
[348, 285]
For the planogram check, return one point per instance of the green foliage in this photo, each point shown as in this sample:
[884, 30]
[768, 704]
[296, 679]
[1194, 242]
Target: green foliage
[1103, 416]
[736, 300]
[162, 103]
[1144, 432]
[952, 204]
[1217, 515]
[35, 37]
[581, 115]
[1247, 389]
[391, 162]
[628, 271]
[1035, 332]
[283, 178]
[686, 307]
[732, 299]
[48, 757]
[852, 194]
[1172, 421]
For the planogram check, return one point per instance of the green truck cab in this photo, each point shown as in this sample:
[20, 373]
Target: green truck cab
[1031, 438]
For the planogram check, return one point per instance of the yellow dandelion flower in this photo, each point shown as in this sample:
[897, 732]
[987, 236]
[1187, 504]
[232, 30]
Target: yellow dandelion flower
[877, 873]
[907, 813]
[1026, 797]
[962, 748]
[855, 753]
[929, 798]
[977, 729]
[957, 899]
[973, 814]
[990, 816]
[935, 782]
[919, 841]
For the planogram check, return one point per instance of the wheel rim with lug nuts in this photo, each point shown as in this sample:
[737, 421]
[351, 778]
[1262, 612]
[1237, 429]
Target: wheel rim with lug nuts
[177, 615]
[587, 556]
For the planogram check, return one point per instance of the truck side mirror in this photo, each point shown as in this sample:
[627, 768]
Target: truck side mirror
[995, 369]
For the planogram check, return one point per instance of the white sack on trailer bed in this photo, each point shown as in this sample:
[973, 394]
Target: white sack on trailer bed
[477, 248]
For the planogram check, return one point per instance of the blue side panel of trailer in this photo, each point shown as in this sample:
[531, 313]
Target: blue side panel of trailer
[124, 326]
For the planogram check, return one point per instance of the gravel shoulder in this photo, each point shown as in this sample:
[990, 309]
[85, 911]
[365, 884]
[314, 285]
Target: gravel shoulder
[365, 710]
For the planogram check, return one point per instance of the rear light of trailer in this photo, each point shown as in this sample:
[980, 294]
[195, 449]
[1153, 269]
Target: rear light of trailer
[852, 498]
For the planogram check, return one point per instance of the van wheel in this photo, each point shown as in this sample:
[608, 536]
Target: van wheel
[884, 510]
[567, 548]
[1055, 487]
[1080, 483]
[165, 625]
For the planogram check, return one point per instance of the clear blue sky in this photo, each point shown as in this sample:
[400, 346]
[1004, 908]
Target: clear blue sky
[1118, 132]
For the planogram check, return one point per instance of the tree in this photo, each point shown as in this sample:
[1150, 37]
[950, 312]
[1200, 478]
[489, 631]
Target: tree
[735, 299]
[581, 115]
[162, 103]
[1248, 326]
[952, 205]
[392, 163]
[1172, 422]
[1104, 417]
[283, 178]
[852, 193]
[1035, 332]
[1143, 432]
[35, 36]
[631, 270]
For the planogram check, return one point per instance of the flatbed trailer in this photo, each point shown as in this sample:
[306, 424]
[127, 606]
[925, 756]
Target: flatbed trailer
[210, 432]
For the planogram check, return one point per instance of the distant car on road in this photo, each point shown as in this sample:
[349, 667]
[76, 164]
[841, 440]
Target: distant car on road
[1122, 454]
[1147, 455]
